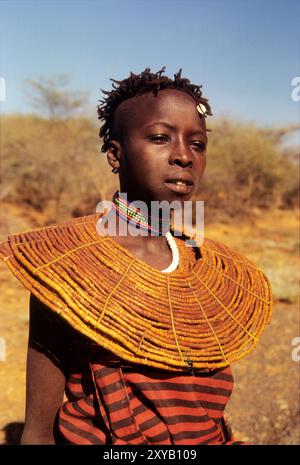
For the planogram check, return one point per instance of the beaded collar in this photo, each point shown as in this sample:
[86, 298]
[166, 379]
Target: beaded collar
[206, 314]
[129, 212]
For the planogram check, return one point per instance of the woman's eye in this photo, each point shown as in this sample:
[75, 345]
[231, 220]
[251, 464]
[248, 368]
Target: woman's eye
[199, 145]
[159, 138]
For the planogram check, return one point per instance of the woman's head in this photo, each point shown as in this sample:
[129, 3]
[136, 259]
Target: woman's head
[154, 134]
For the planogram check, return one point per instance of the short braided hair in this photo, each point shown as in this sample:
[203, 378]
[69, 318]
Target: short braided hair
[137, 84]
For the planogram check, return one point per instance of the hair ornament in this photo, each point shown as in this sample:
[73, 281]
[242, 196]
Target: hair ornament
[201, 109]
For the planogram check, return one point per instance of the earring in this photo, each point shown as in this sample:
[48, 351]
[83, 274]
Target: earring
[115, 170]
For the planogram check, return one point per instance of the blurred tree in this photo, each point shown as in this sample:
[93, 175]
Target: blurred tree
[277, 134]
[50, 162]
[52, 97]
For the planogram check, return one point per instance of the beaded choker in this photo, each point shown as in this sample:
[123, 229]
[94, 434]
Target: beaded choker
[130, 213]
[156, 226]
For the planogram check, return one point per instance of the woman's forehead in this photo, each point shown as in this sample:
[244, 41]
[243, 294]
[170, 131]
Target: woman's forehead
[170, 105]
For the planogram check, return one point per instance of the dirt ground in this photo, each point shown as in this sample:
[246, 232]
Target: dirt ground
[264, 407]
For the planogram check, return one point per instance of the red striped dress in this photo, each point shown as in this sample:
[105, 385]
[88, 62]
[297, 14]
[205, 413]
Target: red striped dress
[110, 401]
[113, 403]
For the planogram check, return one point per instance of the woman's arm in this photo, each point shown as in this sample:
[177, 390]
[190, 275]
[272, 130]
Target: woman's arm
[45, 382]
[44, 395]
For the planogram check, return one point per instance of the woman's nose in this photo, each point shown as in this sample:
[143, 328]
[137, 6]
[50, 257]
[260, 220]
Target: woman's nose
[181, 156]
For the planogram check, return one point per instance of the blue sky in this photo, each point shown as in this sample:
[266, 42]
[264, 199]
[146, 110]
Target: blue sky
[245, 53]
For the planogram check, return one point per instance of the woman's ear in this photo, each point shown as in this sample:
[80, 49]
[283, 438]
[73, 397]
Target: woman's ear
[114, 155]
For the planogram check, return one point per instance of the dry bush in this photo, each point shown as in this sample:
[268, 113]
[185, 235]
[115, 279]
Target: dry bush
[53, 165]
[246, 169]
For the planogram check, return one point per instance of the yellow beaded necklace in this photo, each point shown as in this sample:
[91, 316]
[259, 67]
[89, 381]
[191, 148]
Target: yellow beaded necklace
[209, 312]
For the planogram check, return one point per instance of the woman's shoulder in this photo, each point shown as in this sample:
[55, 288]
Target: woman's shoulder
[53, 336]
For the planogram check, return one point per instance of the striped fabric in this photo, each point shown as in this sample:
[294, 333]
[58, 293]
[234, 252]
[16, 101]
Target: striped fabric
[111, 403]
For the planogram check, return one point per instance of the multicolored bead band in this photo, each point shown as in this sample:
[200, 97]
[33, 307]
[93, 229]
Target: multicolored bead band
[130, 213]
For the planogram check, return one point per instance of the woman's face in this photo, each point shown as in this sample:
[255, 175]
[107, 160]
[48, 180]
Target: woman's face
[161, 148]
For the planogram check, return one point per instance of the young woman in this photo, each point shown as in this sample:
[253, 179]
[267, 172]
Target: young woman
[138, 331]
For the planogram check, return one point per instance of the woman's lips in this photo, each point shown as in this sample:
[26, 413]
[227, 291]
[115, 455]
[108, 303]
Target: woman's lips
[180, 187]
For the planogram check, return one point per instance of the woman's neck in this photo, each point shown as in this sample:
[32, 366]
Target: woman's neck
[146, 242]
